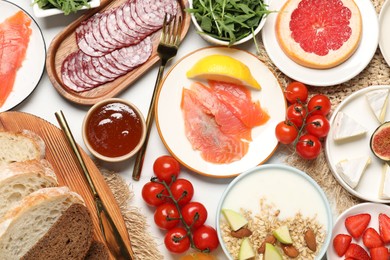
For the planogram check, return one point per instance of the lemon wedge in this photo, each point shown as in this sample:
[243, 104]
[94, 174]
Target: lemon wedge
[223, 68]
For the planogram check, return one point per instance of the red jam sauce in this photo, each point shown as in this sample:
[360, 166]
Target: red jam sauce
[114, 129]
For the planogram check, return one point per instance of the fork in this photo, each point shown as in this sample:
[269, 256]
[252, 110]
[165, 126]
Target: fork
[166, 50]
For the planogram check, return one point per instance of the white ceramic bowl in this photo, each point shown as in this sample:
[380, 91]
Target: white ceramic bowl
[286, 188]
[117, 115]
[38, 12]
[215, 41]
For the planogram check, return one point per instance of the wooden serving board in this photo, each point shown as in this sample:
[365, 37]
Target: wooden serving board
[65, 165]
[65, 43]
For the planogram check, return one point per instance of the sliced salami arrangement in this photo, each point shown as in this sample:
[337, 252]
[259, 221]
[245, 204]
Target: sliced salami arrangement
[114, 42]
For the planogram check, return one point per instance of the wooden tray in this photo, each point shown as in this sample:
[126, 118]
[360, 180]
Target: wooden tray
[65, 165]
[65, 43]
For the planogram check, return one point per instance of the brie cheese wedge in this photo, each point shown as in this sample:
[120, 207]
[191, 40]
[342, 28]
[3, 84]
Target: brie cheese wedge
[345, 127]
[384, 189]
[351, 170]
[377, 100]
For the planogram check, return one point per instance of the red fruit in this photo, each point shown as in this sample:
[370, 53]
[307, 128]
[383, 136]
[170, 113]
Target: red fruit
[356, 252]
[356, 224]
[372, 239]
[379, 253]
[384, 227]
[341, 243]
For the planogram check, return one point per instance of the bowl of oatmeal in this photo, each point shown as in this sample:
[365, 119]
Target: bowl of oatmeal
[269, 198]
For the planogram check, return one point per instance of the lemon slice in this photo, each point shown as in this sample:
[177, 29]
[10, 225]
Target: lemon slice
[223, 68]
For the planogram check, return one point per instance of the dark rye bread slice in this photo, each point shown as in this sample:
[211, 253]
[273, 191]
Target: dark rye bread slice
[97, 251]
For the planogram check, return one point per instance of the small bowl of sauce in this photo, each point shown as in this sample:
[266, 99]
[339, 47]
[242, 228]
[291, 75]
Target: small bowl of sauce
[114, 130]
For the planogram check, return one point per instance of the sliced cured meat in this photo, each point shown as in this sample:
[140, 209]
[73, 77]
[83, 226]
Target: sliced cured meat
[110, 66]
[138, 19]
[90, 70]
[69, 73]
[120, 19]
[205, 135]
[104, 31]
[96, 31]
[102, 69]
[153, 12]
[131, 23]
[66, 78]
[135, 55]
[227, 121]
[86, 41]
[78, 64]
[238, 99]
[116, 33]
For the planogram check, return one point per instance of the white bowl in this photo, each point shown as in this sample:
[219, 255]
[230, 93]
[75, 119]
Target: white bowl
[215, 41]
[38, 12]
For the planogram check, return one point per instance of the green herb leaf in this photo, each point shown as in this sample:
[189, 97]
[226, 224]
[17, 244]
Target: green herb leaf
[67, 6]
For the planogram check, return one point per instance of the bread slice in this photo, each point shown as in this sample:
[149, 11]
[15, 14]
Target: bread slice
[97, 251]
[22, 146]
[48, 224]
[19, 179]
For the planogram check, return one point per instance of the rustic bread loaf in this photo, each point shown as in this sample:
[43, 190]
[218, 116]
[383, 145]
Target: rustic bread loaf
[23, 146]
[51, 223]
[97, 251]
[19, 179]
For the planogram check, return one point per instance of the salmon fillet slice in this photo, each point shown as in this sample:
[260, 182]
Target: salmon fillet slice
[15, 34]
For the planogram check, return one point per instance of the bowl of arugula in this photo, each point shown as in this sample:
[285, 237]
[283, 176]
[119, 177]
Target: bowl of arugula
[228, 22]
[44, 8]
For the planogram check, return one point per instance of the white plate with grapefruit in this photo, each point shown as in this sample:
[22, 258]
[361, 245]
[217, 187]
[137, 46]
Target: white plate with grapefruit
[356, 58]
[174, 124]
[384, 37]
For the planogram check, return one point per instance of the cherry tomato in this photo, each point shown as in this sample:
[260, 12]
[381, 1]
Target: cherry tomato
[205, 238]
[308, 147]
[286, 132]
[165, 167]
[317, 125]
[319, 105]
[194, 214]
[296, 92]
[176, 240]
[182, 190]
[166, 216]
[154, 194]
[296, 113]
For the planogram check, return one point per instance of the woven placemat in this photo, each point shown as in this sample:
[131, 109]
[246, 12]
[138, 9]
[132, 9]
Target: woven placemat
[376, 73]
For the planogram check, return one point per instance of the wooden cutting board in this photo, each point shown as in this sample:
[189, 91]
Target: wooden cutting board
[65, 43]
[65, 165]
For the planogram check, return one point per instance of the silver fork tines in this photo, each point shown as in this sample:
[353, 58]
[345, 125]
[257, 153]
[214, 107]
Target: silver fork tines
[166, 50]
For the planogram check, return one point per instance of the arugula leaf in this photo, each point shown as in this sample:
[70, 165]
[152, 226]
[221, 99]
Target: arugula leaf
[67, 6]
[228, 20]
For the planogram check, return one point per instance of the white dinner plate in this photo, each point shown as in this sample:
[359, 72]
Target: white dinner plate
[356, 107]
[33, 66]
[384, 35]
[324, 77]
[374, 209]
[170, 122]
[288, 189]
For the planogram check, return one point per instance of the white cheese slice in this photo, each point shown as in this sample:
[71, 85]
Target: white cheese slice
[351, 170]
[384, 190]
[345, 127]
[377, 100]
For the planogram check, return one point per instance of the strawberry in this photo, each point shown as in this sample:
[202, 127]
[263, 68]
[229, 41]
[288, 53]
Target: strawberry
[357, 252]
[341, 243]
[379, 253]
[384, 227]
[371, 238]
[356, 224]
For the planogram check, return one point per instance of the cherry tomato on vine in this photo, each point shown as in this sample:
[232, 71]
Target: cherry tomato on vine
[296, 92]
[319, 105]
[308, 147]
[176, 240]
[154, 194]
[317, 125]
[286, 132]
[166, 216]
[205, 238]
[296, 113]
[182, 190]
[165, 167]
[194, 214]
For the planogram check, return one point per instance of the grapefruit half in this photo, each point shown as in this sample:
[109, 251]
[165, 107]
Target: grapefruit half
[319, 34]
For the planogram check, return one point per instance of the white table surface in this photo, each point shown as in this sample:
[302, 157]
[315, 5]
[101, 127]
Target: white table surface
[45, 101]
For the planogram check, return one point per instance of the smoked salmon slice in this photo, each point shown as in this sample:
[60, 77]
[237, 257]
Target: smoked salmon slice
[15, 34]
[238, 99]
[205, 134]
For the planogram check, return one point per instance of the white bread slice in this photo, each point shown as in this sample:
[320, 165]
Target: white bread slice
[28, 228]
[351, 170]
[19, 179]
[22, 146]
[346, 128]
[377, 100]
[306, 55]
[384, 189]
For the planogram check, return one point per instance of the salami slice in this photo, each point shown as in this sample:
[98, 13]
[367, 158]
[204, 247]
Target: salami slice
[104, 31]
[66, 78]
[152, 12]
[97, 33]
[80, 71]
[90, 71]
[82, 43]
[120, 19]
[137, 54]
[109, 66]
[131, 23]
[73, 76]
[101, 70]
[139, 20]
[115, 32]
